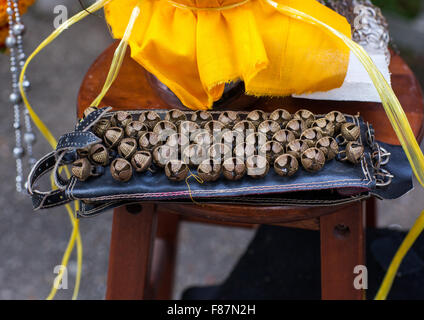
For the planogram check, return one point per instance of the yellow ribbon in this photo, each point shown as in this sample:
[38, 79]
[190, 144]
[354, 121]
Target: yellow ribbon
[389, 100]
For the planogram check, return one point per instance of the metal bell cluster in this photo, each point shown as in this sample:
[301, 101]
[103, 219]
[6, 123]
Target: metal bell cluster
[225, 144]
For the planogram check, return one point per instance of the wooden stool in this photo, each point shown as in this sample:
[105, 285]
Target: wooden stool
[143, 244]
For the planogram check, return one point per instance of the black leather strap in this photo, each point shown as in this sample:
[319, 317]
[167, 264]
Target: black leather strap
[65, 153]
[91, 119]
[76, 140]
[45, 199]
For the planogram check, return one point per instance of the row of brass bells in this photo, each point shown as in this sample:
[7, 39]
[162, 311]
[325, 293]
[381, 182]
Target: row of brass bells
[227, 118]
[301, 120]
[301, 133]
[233, 168]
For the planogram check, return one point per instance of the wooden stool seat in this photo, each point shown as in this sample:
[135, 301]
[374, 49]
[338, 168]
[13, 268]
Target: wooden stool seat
[143, 240]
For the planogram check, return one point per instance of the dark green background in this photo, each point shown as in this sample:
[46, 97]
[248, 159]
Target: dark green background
[406, 8]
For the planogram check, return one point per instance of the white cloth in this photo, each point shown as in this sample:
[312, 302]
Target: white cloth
[357, 85]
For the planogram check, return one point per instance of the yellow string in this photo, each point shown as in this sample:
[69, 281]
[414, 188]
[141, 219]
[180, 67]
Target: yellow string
[76, 236]
[196, 177]
[199, 180]
[399, 123]
[118, 57]
[400, 254]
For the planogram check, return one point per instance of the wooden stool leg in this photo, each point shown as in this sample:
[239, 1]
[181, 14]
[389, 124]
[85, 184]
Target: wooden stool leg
[165, 252]
[342, 249]
[371, 213]
[130, 254]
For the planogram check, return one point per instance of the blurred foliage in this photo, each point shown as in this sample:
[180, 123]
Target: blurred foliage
[407, 8]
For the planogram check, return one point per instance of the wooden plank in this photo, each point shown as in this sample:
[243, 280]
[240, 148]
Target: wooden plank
[163, 269]
[342, 248]
[131, 253]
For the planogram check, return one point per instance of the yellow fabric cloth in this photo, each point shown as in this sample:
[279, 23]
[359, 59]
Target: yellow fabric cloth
[195, 52]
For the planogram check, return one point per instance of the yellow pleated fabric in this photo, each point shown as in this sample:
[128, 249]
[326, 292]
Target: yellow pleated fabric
[195, 52]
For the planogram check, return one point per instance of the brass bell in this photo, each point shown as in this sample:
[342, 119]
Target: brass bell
[113, 136]
[135, 129]
[121, 170]
[189, 129]
[329, 146]
[297, 126]
[232, 138]
[243, 151]
[209, 170]
[89, 110]
[219, 152]
[163, 154]
[81, 169]
[99, 155]
[176, 170]
[353, 153]
[229, 118]
[350, 131]
[148, 141]
[164, 129]
[337, 118]
[149, 118]
[271, 151]
[127, 147]
[178, 141]
[214, 127]
[246, 127]
[286, 165]
[83, 152]
[296, 148]
[256, 117]
[141, 160]
[175, 116]
[121, 119]
[233, 169]
[326, 126]
[204, 138]
[201, 117]
[284, 136]
[307, 116]
[269, 128]
[282, 116]
[311, 136]
[257, 166]
[194, 154]
[257, 139]
[313, 159]
[101, 127]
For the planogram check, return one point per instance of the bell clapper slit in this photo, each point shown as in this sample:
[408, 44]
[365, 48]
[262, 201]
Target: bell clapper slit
[389, 100]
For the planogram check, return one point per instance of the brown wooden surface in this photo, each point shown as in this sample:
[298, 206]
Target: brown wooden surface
[340, 254]
[164, 255]
[250, 213]
[130, 255]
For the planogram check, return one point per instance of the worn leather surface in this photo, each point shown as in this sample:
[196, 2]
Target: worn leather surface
[338, 182]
